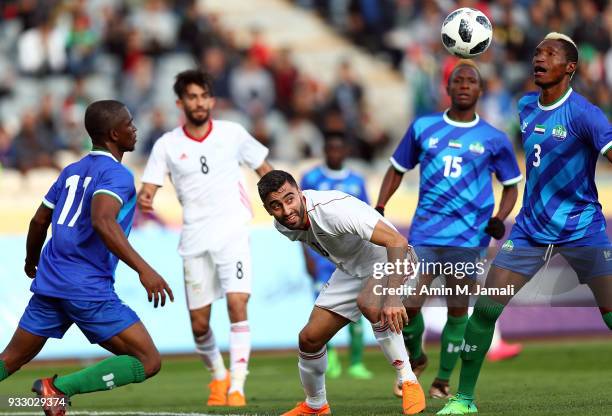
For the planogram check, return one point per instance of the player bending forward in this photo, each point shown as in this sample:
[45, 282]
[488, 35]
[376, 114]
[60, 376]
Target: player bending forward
[90, 208]
[355, 238]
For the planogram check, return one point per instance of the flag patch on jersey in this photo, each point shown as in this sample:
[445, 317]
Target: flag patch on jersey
[477, 148]
[455, 144]
[559, 132]
[540, 129]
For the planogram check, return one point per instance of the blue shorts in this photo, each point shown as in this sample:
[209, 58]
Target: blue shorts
[98, 320]
[461, 260]
[589, 257]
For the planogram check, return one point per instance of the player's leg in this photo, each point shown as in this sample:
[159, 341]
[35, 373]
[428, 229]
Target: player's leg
[202, 288]
[233, 266]
[115, 327]
[21, 349]
[392, 345]
[602, 291]
[357, 368]
[322, 325]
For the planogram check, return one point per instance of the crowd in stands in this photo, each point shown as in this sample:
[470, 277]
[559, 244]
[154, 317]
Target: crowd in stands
[59, 55]
[405, 33]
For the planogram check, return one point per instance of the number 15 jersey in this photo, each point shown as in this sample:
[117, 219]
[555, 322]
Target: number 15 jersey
[206, 174]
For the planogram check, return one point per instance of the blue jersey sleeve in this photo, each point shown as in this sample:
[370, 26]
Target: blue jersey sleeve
[406, 156]
[52, 196]
[306, 182]
[596, 129]
[504, 163]
[118, 183]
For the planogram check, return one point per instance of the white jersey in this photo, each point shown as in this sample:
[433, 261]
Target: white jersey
[340, 229]
[208, 181]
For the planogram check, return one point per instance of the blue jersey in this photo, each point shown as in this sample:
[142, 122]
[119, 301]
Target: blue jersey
[562, 142]
[455, 192]
[75, 264]
[322, 178]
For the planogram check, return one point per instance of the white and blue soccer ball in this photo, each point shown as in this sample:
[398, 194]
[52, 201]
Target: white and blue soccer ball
[466, 32]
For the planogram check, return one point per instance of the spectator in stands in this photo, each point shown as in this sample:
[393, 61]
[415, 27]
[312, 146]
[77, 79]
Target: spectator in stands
[252, 87]
[157, 25]
[42, 49]
[32, 149]
[215, 62]
[285, 79]
[158, 129]
[347, 95]
[82, 42]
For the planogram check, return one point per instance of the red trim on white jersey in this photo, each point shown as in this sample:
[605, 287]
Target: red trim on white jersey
[199, 139]
[244, 198]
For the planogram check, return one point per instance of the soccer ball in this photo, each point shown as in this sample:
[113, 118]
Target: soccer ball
[466, 32]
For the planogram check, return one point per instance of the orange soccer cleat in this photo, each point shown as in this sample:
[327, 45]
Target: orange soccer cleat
[302, 409]
[236, 399]
[218, 391]
[55, 402]
[413, 398]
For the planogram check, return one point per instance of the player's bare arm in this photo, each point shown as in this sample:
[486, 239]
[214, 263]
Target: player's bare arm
[104, 210]
[37, 233]
[496, 228]
[393, 312]
[390, 183]
[609, 155]
[146, 195]
[264, 168]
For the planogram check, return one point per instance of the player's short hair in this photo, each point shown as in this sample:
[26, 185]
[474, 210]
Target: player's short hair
[569, 46]
[466, 62]
[272, 181]
[192, 76]
[100, 117]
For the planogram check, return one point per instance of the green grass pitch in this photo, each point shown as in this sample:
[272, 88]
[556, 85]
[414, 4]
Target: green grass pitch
[549, 378]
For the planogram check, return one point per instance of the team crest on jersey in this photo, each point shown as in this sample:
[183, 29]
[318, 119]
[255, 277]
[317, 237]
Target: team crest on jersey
[508, 246]
[607, 255]
[455, 144]
[559, 132]
[540, 129]
[477, 148]
[433, 142]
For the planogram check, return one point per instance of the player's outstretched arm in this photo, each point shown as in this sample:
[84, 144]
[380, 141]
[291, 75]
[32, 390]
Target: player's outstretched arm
[393, 312]
[264, 168]
[146, 195]
[104, 210]
[37, 233]
[390, 183]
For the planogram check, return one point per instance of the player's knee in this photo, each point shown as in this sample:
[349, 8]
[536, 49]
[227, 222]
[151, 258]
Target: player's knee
[457, 312]
[152, 363]
[371, 313]
[12, 361]
[199, 327]
[412, 312]
[237, 309]
[309, 342]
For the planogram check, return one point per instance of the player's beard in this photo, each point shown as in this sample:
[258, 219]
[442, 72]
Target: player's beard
[197, 121]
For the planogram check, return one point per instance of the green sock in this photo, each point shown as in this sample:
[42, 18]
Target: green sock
[450, 345]
[105, 375]
[477, 338]
[3, 371]
[413, 336]
[607, 317]
[356, 331]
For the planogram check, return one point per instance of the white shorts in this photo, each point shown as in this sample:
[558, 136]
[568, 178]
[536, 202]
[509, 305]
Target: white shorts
[340, 294]
[214, 273]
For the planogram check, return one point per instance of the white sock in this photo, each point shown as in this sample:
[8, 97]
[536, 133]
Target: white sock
[240, 350]
[206, 347]
[496, 338]
[393, 347]
[312, 373]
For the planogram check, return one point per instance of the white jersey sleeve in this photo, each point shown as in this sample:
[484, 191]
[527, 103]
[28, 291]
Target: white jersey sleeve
[349, 215]
[157, 166]
[251, 152]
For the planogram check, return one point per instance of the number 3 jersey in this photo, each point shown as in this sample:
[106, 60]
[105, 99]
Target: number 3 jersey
[455, 193]
[75, 263]
[562, 142]
[208, 181]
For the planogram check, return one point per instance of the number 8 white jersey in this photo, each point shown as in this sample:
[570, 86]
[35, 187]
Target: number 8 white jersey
[209, 184]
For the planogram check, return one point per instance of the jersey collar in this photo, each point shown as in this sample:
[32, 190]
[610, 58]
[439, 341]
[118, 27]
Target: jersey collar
[557, 103]
[199, 139]
[103, 153]
[335, 174]
[463, 124]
